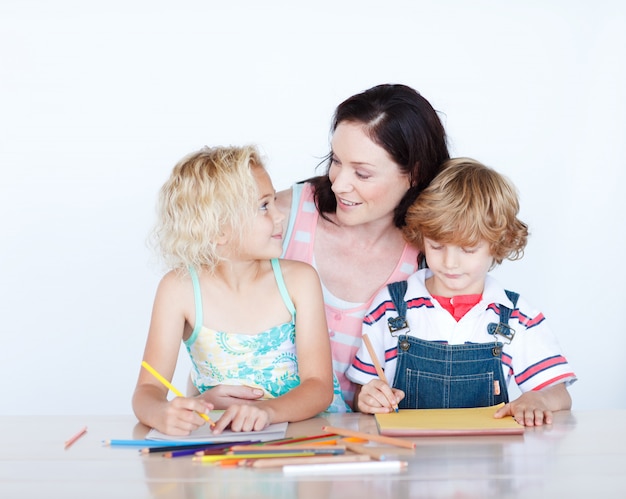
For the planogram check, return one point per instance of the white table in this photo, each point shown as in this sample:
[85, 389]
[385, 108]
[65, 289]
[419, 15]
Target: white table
[581, 455]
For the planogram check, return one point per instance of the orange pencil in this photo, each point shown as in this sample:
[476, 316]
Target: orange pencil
[71, 440]
[379, 369]
[398, 442]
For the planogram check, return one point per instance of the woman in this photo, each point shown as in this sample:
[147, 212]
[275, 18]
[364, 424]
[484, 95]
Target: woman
[387, 145]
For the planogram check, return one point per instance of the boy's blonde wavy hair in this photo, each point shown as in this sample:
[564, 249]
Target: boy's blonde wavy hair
[211, 193]
[465, 203]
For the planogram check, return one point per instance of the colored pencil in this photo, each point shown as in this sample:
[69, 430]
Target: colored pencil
[202, 450]
[149, 443]
[377, 453]
[324, 449]
[318, 449]
[292, 440]
[168, 385]
[285, 461]
[69, 442]
[398, 442]
[195, 447]
[379, 369]
[224, 457]
[346, 468]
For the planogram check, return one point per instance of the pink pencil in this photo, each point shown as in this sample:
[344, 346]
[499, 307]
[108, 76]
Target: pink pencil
[68, 443]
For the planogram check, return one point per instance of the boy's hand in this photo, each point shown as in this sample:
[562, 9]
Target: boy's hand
[536, 408]
[377, 397]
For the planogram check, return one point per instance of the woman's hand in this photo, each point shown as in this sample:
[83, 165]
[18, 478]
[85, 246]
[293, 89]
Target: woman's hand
[224, 396]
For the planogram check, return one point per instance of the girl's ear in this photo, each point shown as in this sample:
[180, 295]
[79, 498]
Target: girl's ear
[222, 239]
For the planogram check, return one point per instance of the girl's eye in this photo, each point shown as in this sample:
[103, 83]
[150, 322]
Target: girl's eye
[469, 250]
[264, 207]
[435, 247]
[362, 176]
[334, 160]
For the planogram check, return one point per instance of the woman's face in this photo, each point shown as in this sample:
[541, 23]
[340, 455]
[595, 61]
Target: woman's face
[367, 183]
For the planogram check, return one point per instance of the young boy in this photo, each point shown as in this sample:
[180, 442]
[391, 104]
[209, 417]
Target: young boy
[451, 336]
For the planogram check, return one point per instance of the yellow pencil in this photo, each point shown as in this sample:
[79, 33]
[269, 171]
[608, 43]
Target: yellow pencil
[379, 370]
[168, 385]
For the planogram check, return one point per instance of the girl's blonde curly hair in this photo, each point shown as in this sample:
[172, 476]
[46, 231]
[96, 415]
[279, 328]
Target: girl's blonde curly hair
[209, 194]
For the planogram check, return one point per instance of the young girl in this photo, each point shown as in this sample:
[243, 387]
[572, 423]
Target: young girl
[231, 301]
[447, 336]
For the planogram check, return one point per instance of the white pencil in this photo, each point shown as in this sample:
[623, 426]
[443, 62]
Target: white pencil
[346, 468]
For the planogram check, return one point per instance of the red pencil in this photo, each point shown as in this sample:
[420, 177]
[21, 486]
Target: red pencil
[70, 441]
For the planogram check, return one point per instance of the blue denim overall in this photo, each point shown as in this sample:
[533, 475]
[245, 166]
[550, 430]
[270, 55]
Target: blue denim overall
[435, 375]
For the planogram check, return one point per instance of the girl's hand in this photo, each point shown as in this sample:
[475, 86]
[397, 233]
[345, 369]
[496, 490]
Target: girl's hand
[181, 416]
[378, 397]
[246, 417]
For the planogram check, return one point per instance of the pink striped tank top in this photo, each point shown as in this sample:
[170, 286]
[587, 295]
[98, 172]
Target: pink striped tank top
[344, 323]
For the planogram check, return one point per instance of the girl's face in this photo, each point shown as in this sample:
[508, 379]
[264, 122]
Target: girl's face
[367, 183]
[265, 239]
[457, 270]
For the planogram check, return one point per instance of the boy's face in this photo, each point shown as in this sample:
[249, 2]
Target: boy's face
[457, 270]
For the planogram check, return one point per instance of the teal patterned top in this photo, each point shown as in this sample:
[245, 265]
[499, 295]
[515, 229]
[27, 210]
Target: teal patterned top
[266, 360]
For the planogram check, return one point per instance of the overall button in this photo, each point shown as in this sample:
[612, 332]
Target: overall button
[496, 351]
[404, 345]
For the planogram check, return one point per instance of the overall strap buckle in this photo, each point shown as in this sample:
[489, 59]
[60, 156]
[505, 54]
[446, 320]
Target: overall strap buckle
[398, 325]
[502, 328]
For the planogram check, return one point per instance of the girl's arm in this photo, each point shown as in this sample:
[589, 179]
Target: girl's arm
[180, 415]
[315, 392]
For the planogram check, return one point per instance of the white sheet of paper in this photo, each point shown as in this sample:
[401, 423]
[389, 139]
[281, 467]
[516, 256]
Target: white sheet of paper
[203, 434]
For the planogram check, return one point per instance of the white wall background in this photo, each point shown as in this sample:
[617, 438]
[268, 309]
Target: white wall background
[98, 100]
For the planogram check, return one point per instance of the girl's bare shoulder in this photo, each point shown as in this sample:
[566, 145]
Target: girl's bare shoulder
[297, 272]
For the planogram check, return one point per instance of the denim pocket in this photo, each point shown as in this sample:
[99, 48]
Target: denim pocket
[426, 390]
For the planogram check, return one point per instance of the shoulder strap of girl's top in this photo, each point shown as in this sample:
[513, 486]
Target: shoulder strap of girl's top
[282, 287]
[198, 301]
[502, 328]
[397, 290]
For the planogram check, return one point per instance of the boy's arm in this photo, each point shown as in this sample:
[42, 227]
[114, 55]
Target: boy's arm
[535, 408]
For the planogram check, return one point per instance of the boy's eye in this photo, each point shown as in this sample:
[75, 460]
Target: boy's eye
[436, 246]
[264, 206]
